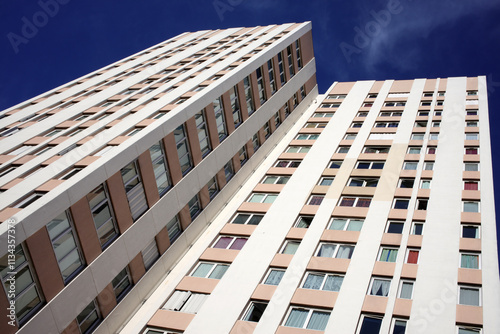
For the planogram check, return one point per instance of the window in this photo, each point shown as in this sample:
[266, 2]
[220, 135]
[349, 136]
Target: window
[395, 104]
[220, 118]
[185, 301]
[304, 221]
[272, 82]
[425, 103]
[471, 112]
[260, 86]
[336, 96]
[428, 165]
[255, 142]
[433, 136]
[213, 187]
[412, 256]
[343, 149]
[405, 289]
[330, 105]
[121, 284]
[267, 130]
[471, 206]
[230, 242]
[262, 198]
[150, 254]
[395, 227]
[297, 52]
[210, 270]
[52, 133]
[422, 203]
[235, 106]
[388, 254]
[363, 182]
[469, 260]
[417, 228]
[370, 325]
[345, 224]
[242, 153]
[201, 127]
[134, 189]
[420, 124]
[414, 150]
[386, 125]
[23, 203]
[469, 296]
[326, 181]
[472, 93]
[102, 213]
[335, 164]
[27, 297]
[255, 311]
[469, 330]
[401, 203]
[290, 247]
[370, 165]
[315, 199]
[20, 150]
[291, 69]
[356, 124]
[425, 184]
[306, 136]
[322, 281]
[375, 149]
[359, 202]
[277, 119]
[182, 145]
[69, 174]
[335, 251]
[89, 318]
[307, 318]
[391, 114]
[174, 229]
[468, 136]
[315, 125]
[379, 287]
[410, 165]
[362, 114]
[350, 136]
[471, 150]
[274, 277]
[248, 95]
[381, 136]
[298, 149]
[323, 114]
[471, 167]
[65, 244]
[406, 183]
[194, 206]
[247, 218]
[229, 170]
[470, 231]
[287, 163]
[276, 179]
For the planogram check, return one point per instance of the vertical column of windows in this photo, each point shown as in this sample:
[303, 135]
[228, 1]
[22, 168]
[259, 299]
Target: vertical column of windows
[248, 95]
[219, 118]
[134, 189]
[160, 168]
[202, 132]
[102, 214]
[272, 82]
[260, 86]
[181, 142]
[235, 106]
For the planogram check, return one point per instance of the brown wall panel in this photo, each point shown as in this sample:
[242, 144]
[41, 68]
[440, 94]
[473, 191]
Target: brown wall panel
[221, 178]
[106, 300]
[211, 125]
[45, 263]
[162, 240]
[119, 199]
[204, 197]
[194, 143]
[148, 178]
[311, 83]
[172, 158]
[5, 328]
[85, 228]
[137, 269]
[306, 47]
[185, 217]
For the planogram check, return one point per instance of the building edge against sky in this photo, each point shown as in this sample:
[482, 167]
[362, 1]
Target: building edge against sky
[383, 175]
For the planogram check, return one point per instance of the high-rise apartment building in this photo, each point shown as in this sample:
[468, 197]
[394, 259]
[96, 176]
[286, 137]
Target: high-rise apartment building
[204, 186]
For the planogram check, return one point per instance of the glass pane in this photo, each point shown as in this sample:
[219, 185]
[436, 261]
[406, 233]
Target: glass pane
[202, 270]
[297, 318]
[223, 242]
[313, 281]
[255, 220]
[355, 225]
[370, 325]
[333, 283]
[257, 198]
[399, 327]
[291, 248]
[271, 179]
[238, 243]
[274, 277]
[338, 224]
[270, 198]
[318, 320]
[406, 290]
[26, 302]
[219, 271]
[327, 250]
[241, 218]
[58, 225]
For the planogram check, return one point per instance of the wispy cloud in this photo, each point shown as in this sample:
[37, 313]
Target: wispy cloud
[415, 20]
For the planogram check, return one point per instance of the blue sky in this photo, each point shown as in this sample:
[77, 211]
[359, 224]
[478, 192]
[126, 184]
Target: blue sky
[406, 39]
